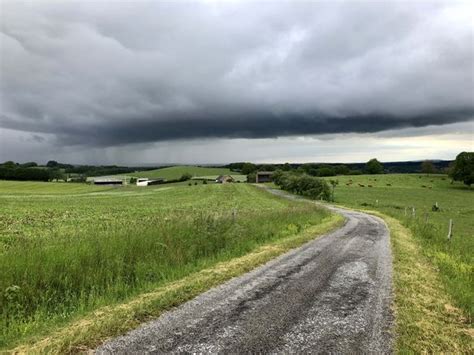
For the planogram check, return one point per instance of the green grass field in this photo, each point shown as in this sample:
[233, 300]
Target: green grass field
[454, 259]
[21, 188]
[69, 249]
[175, 172]
[452, 262]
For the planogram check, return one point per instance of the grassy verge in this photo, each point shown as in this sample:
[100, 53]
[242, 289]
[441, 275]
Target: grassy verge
[426, 320]
[90, 330]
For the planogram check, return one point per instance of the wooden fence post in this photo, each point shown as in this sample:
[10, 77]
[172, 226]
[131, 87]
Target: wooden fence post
[413, 212]
[450, 232]
[405, 211]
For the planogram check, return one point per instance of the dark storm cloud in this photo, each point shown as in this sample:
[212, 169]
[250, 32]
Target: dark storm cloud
[114, 73]
[250, 125]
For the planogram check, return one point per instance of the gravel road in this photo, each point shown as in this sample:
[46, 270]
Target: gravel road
[332, 295]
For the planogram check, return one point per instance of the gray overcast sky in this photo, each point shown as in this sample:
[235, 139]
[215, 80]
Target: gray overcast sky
[208, 82]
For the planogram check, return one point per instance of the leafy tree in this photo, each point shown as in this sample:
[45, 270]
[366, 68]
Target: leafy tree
[341, 170]
[24, 174]
[9, 164]
[373, 166]
[286, 167]
[55, 174]
[427, 167]
[248, 168]
[267, 167]
[252, 178]
[52, 164]
[333, 183]
[302, 184]
[185, 176]
[463, 169]
[326, 171]
[313, 172]
[30, 164]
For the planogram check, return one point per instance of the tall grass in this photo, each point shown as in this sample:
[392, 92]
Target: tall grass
[51, 279]
[452, 258]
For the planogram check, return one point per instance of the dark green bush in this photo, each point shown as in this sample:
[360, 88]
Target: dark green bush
[303, 185]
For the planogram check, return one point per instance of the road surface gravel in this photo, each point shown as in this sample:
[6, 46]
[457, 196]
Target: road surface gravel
[332, 295]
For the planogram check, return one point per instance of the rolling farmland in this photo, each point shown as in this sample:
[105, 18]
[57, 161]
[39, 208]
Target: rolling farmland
[175, 172]
[68, 249]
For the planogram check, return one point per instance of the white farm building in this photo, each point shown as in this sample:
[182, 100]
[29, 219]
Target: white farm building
[148, 182]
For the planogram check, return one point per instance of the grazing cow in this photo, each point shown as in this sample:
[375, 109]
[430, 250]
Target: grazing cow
[361, 185]
[389, 184]
[423, 185]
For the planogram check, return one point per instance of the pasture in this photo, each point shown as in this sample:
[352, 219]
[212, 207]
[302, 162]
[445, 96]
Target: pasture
[409, 198]
[175, 172]
[69, 249]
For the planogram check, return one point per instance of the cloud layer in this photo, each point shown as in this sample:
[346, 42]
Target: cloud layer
[115, 73]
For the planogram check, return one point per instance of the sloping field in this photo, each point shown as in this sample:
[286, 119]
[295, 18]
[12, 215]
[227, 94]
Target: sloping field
[409, 199]
[46, 188]
[64, 255]
[175, 172]
[237, 177]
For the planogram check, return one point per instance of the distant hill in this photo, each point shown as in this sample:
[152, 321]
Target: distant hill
[175, 172]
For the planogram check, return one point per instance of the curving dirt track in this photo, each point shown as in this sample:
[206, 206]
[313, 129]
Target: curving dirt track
[333, 294]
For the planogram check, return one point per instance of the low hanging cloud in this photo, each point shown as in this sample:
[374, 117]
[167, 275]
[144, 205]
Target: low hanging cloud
[114, 73]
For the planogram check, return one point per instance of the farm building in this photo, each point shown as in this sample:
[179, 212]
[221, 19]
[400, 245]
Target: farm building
[107, 181]
[263, 176]
[224, 179]
[147, 182]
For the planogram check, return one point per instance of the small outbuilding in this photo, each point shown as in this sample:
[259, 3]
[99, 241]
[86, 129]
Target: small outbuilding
[224, 179]
[263, 176]
[107, 181]
[148, 182]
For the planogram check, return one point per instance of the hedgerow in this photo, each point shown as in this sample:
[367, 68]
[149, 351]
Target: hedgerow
[304, 185]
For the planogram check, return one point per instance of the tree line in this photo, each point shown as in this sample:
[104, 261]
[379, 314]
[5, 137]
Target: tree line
[53, 170]
[312, 169]
[332, 169]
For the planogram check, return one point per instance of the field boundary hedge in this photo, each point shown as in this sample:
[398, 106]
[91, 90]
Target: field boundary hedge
[304, 185]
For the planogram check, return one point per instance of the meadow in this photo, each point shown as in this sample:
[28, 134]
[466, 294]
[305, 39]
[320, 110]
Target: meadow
[69, 249]
[433, 276]
[397, 195]
[175, 172]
